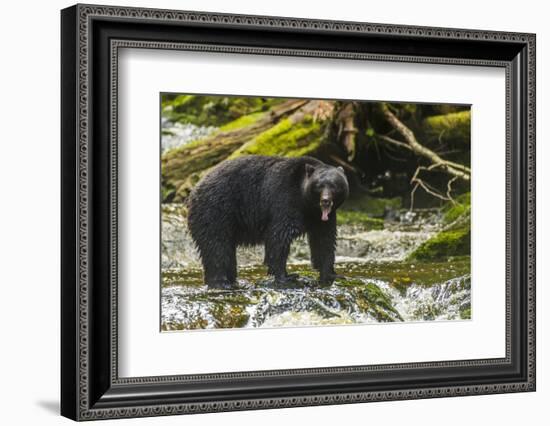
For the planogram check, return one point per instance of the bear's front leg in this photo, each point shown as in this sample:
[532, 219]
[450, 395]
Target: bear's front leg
[322, 246]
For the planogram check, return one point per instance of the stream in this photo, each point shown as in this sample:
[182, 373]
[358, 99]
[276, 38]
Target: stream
[175, 135]
[378, 284]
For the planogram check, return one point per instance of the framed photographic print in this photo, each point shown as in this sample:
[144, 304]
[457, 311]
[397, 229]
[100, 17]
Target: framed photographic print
[263, 212]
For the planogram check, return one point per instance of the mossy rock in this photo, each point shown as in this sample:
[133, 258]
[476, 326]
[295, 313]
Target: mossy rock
[381, 304]
[454, 242]
[228, 315]
[370, 299]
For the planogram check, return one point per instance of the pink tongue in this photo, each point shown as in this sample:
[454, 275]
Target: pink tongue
[324, 214]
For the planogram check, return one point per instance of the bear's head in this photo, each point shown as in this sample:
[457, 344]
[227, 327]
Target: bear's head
[325, 188]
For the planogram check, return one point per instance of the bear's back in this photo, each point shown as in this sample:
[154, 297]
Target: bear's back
[241, 196]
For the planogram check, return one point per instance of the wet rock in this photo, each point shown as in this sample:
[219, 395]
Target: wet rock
[187, 304]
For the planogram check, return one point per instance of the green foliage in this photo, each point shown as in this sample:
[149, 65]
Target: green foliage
[285, 138]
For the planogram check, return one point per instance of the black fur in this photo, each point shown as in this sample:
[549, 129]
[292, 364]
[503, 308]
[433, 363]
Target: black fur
[265, 200]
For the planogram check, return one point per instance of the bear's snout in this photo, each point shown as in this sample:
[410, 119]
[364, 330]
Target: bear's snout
[326, 204]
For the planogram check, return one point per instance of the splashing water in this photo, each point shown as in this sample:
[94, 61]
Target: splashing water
[350, 301]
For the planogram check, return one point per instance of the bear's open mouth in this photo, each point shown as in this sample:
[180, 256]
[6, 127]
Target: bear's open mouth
[326, 207]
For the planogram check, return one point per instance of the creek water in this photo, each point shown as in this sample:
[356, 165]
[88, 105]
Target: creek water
[378, 283]
[178, 134]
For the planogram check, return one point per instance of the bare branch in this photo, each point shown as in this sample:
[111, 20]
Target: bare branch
[418, 182]
[395, 142]
[457, 170]
[449, 188]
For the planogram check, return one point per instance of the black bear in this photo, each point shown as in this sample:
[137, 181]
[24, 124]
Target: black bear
[266, 200]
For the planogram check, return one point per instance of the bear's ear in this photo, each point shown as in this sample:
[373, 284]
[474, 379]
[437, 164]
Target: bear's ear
[340, 168]
[309, 170]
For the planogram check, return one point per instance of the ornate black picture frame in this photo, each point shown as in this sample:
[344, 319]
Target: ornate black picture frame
[91, 36]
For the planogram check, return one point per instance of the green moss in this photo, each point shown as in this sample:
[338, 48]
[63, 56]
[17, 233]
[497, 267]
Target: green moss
[244, 121]
[187, 277]
[285, 138]
[453, 126]
[377, 297]
[351, 217]
[455, 242]
[229, 315]
[453, 211]
[466, 313]
[176, 101]
[401, 274]
[370, 299]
